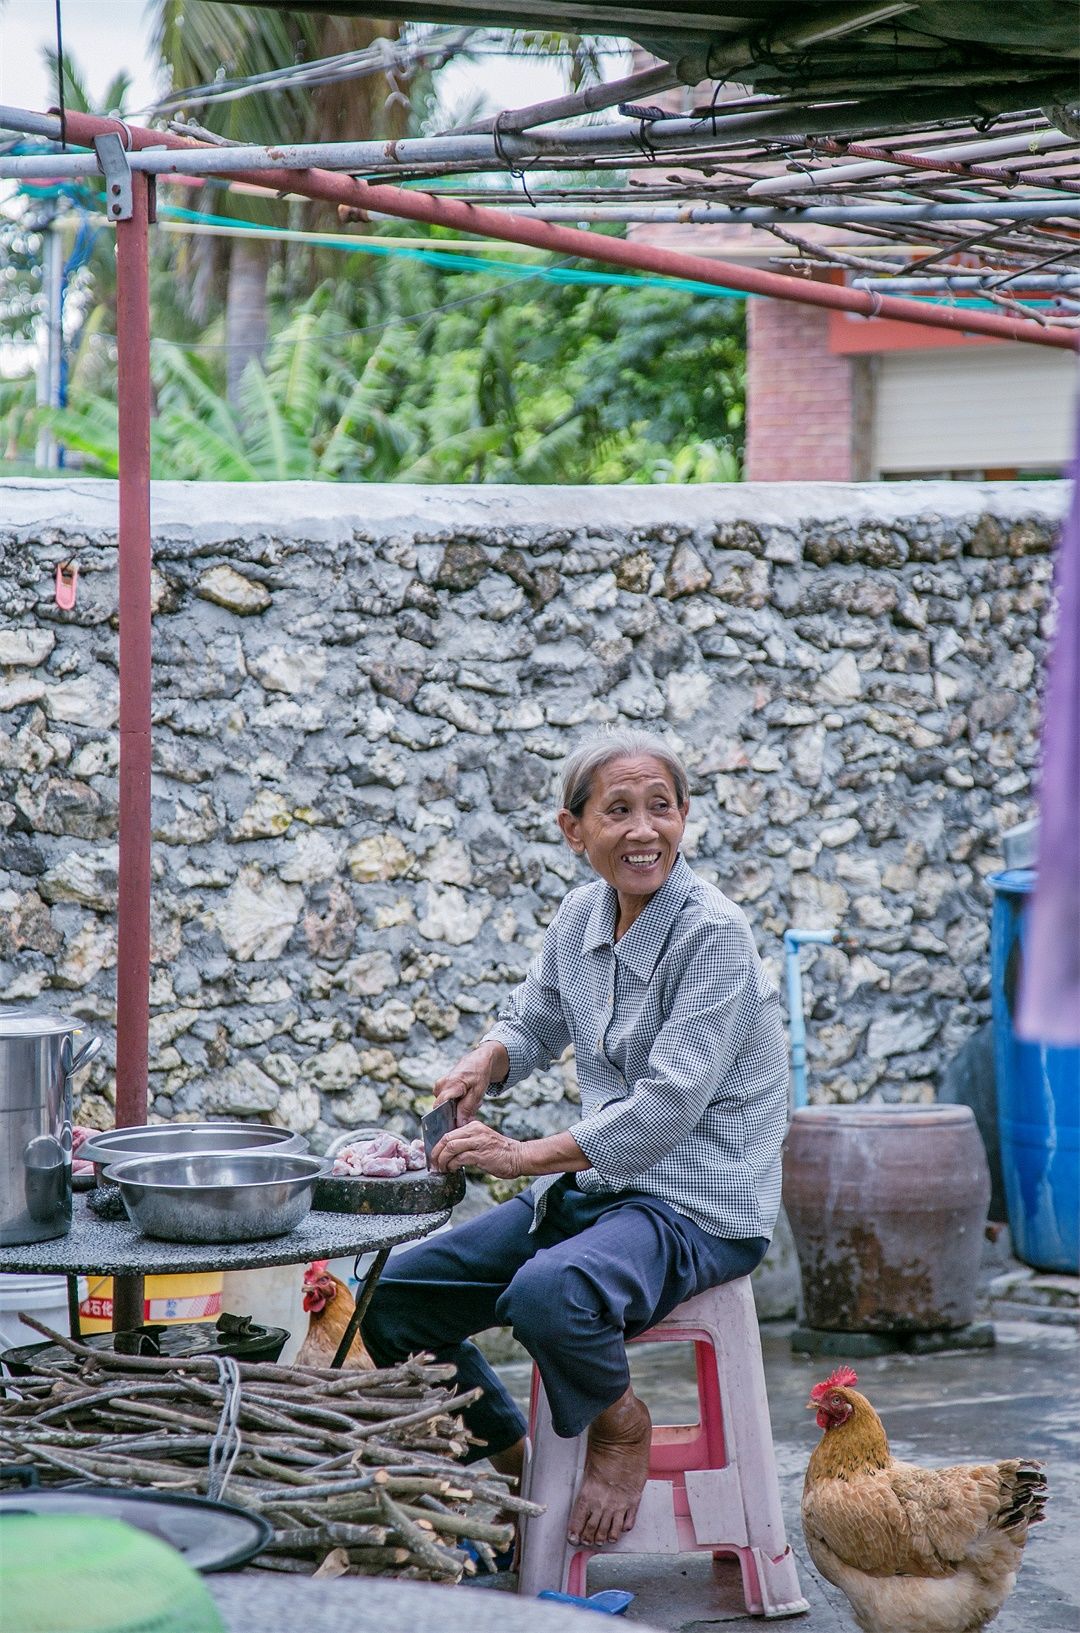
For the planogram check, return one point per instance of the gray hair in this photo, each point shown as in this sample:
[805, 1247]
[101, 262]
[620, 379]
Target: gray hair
[578, 773]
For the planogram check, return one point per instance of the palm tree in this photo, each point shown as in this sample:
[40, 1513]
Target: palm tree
[199, 40]
[309, 415]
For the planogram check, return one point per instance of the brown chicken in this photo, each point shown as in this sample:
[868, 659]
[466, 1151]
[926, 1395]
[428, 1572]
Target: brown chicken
[329, 1305]
[915, 1550]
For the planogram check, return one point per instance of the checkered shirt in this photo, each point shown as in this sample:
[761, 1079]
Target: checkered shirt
[680, 1051]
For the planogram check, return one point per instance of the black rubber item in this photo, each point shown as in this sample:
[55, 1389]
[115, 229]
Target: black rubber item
[233, 1335]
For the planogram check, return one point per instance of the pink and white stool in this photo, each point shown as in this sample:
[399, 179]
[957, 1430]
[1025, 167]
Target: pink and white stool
[712, 1485]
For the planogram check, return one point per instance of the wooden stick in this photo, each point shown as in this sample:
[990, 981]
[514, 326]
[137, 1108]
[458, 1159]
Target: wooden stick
[419, 1542]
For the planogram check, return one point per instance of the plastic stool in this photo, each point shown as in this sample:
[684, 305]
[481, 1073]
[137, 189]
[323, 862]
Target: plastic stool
[712, 1485]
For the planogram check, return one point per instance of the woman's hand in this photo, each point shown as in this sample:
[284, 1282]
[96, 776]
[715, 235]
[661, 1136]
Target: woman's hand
[475, 1145]
[468, 1081]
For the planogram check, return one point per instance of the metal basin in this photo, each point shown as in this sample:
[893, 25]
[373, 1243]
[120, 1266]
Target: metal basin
[184, 1139]
[217, 1196]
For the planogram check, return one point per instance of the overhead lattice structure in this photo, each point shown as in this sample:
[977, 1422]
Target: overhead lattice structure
[866, 117]
[942, 137]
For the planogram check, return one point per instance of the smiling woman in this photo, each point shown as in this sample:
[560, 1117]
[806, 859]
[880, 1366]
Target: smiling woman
[669, 1182]
[624, 804]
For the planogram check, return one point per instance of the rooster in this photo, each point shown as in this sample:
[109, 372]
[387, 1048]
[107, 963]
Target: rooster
[329, 1305]
[915, 1550]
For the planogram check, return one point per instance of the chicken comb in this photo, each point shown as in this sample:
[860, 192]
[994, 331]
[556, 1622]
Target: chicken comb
[316, 1267]
[842, 1378]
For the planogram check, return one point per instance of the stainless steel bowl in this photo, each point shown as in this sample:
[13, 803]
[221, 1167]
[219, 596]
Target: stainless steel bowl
[217, 1196]
[184, 1139]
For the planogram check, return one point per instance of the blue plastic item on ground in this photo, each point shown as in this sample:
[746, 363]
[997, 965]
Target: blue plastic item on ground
[1038, 1096]
[504, 1560]
[609, 1602]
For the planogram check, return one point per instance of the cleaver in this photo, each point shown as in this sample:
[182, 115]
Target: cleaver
[437, 1123]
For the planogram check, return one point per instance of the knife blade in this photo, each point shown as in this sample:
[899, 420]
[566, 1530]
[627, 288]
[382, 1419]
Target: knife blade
[434, 1124]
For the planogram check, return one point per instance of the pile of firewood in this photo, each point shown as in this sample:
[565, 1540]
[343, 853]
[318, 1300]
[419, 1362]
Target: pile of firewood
[355, 1471]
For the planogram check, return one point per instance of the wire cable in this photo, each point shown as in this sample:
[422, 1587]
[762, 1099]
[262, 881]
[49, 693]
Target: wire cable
[60, 77]
[226, 1444]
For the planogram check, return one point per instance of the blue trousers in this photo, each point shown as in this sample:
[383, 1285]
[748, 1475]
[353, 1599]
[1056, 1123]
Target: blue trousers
[598, 1270]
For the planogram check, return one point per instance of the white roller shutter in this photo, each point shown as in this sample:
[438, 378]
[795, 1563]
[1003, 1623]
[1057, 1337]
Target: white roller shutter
[958, 410]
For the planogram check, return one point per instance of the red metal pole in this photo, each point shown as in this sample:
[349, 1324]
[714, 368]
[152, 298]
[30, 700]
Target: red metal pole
[133, 396]
[335, 188]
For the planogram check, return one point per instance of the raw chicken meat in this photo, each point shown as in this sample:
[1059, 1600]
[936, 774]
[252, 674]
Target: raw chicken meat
[79, 1137]
[384, 1157]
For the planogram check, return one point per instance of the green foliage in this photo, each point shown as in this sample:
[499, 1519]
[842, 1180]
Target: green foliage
[393, 369]
[77, 96]
[426, 376]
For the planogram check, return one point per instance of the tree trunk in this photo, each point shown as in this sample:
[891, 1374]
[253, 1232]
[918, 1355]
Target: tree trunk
[245, 310]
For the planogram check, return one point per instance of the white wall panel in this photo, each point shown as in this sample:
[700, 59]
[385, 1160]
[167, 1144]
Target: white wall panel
[960, 410]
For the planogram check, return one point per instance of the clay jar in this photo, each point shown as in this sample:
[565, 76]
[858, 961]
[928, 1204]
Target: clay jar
[887, 1206]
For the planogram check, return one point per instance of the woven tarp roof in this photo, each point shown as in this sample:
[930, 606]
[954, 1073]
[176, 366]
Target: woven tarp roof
[956, 41]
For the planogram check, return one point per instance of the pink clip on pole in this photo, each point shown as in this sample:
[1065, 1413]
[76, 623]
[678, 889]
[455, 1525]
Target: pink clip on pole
[67, 578]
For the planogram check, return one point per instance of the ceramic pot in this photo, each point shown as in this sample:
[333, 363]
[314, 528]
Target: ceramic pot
[887, 1206]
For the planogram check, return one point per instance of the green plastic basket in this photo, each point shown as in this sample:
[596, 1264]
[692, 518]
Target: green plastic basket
[66, 1573]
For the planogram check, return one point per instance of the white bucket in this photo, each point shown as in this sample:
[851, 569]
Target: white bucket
[44, 1297]
[273, 1297]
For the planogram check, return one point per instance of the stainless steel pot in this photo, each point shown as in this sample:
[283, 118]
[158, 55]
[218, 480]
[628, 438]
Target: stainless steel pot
[39, 1055]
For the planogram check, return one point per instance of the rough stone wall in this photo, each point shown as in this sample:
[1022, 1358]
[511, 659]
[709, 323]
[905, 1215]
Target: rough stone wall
[361, 698]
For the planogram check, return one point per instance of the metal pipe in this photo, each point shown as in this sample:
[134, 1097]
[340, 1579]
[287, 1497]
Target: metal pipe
[1046, 283]
[128, 1303]
[920, 161]
[649, 82]
[832, 215]
[133, 398]
[778, 119]
[629, 140]
[338, 156]
[1040, 141]
[794, 941]
[416, 206]
[483, 152]
[32, 124]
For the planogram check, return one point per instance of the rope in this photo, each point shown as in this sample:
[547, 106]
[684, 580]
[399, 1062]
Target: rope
[225, 1447]
[516, 172]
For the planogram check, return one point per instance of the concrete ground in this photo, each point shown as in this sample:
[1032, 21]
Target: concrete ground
[1019, 1398]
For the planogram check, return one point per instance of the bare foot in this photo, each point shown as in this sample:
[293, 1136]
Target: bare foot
[616, 1467]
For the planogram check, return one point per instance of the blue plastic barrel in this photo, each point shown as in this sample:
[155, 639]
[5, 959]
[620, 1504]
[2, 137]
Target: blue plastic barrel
[1038, 1097]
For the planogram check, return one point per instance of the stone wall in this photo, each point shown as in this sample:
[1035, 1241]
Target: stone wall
[361, 698]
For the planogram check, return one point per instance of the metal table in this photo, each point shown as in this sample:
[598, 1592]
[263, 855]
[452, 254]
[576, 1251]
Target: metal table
[97, 1247]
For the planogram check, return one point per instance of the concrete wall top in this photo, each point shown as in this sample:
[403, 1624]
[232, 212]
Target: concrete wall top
[211, 511]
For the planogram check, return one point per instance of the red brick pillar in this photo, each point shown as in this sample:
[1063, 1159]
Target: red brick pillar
[799, 397]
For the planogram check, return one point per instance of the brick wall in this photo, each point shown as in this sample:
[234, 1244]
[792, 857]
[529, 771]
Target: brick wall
[800, 404]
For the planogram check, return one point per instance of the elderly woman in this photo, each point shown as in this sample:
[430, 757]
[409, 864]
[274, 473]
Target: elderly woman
[669, 1181]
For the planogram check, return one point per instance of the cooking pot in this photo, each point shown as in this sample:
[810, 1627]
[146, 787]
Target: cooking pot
[39, 1055]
